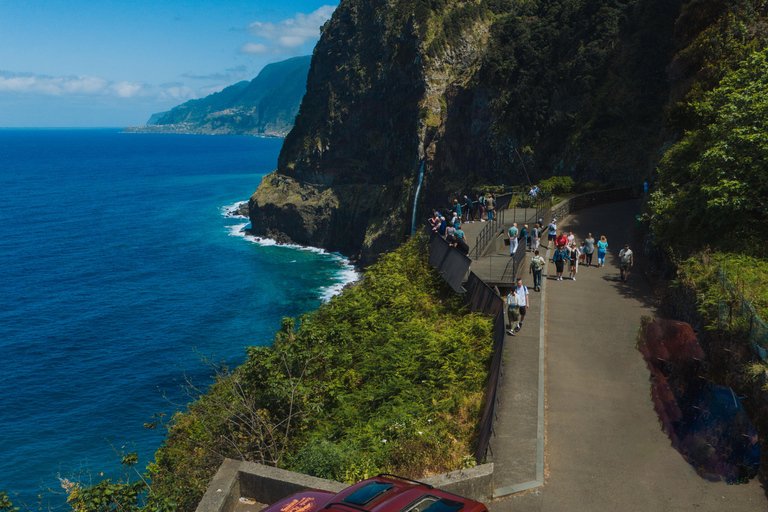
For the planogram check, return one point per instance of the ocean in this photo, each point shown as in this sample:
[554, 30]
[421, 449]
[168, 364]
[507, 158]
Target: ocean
[120, 274]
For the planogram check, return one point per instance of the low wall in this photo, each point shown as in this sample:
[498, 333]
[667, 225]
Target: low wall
[265, 484]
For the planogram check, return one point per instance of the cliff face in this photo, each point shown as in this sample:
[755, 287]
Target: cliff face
[485, 93]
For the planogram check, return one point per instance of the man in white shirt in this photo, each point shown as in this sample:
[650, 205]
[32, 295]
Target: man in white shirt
[517, 305]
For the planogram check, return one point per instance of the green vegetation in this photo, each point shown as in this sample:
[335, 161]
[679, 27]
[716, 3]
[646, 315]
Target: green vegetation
[390, 376]
[5, 503]
[713, 189]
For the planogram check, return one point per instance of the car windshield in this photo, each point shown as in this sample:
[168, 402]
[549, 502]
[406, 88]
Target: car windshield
[433, 504]
[368, 493]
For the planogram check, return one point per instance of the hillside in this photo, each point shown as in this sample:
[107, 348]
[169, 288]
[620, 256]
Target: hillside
[486, 93]
[266, 106]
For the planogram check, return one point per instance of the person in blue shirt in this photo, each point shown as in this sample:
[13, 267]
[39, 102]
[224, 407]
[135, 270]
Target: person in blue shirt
[558, 258]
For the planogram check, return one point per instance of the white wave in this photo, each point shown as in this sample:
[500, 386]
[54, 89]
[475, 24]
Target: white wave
[230, 210]
[347, 272]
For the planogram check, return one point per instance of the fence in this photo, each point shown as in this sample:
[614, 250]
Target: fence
[505, 217]
[737, 313]
[481, 297]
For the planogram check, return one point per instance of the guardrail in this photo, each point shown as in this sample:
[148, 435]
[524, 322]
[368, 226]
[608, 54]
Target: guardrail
[505, 217]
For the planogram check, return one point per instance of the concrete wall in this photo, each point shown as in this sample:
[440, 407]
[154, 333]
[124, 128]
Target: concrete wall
[264, 483]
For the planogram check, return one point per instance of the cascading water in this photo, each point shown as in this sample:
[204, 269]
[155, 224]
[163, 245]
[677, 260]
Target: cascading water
[416, 196]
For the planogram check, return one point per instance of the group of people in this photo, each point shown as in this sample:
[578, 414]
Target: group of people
[566, 249]
[446, 222]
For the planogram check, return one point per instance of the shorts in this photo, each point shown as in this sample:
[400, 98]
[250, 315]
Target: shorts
[522, 311]
[625, 267]
[552, 237]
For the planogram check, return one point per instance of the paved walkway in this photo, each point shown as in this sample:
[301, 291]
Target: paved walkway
[604, 448]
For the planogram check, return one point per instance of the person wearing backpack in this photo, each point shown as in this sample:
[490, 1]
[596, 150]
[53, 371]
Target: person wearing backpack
[537, 265]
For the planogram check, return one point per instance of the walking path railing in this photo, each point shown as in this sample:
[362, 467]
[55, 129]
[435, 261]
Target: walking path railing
[505, 217]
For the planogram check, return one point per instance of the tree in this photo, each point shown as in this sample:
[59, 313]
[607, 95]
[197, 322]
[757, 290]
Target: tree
[713, 186]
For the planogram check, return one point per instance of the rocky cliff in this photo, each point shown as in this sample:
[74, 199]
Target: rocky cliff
[265, 106]
[484, 93]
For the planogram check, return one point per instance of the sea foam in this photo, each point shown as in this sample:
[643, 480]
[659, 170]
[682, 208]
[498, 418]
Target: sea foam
[346, 274]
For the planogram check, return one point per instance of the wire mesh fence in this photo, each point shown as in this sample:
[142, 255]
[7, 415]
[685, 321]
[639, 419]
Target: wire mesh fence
[737, 313]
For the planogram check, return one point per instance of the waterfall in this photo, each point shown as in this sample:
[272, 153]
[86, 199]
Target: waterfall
[416, 196]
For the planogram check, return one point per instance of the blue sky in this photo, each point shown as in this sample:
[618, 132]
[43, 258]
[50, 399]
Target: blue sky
[113, 63]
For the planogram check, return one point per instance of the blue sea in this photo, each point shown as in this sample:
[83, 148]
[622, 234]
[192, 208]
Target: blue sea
[120, 271]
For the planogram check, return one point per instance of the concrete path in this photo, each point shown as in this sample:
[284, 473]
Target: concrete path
[605, 449]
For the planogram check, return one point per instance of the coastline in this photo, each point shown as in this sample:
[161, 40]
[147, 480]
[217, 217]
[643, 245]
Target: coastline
[347, 274]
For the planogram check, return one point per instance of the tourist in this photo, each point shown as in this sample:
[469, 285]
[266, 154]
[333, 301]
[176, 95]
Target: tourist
[562, 240]
[602, 247]
[481, 206]
[626, 260]
[535, 237]
[573, 254]
[552, 231]
[582, 252]
[517, 304]
[558, 258]
[512, 234]
[469, 206]
[457, 208]
[589, 249]
[537, 265]
[571, 238]
[459, 232]
[524, 237]
[443, 225]
[450, 230]
[490, 204]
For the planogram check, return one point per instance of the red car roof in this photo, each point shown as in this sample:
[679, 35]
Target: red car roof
[379, 494]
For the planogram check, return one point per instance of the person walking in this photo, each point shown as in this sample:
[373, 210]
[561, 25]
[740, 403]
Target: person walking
[481, 206]
[524, 237]
[626, 260]
[602, 247]
[559, 258]
[573, 254]
[517, 305]
[562, 240]
[469, 206]
[512, 233]
[490, 204]
[537, 266]
[589, 249]
[552, 233]
[535, 237]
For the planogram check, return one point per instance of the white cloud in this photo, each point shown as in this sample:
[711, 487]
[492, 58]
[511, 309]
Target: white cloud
[84, 85]
[179, 93]
[259, 49]
[288, 34]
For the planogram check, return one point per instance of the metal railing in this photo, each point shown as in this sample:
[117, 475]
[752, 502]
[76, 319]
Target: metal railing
[505, 217]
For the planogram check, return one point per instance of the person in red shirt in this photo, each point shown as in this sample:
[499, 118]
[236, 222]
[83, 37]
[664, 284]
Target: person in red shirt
[562, 240]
